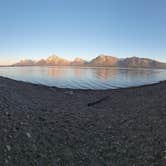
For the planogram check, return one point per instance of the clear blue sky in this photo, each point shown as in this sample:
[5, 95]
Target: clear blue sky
[34, 29]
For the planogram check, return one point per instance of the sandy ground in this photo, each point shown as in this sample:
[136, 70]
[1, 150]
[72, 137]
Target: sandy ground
[47, 126]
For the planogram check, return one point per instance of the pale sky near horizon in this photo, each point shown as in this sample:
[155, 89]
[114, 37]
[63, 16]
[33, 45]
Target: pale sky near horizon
[34, 29]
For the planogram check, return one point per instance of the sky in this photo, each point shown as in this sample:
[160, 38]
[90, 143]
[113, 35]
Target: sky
[34, 29]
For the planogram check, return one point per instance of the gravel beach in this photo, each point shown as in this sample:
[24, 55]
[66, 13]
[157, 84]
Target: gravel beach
[49, 126]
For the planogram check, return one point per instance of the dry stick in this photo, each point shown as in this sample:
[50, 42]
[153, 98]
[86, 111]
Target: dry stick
[98, 101]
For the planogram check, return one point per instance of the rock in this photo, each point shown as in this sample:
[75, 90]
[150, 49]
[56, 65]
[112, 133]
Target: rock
[7, 113]
[10, 136]
[28, 135]
[8, 147]
[21, 123]
[109, 127]
[28, 116]
[69, 92]
[6, 161]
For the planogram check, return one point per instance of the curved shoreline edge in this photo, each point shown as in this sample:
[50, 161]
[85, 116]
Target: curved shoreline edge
[41, 125]
[75, 89]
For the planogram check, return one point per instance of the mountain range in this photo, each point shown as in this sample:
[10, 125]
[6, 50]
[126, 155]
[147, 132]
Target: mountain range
[99, 61]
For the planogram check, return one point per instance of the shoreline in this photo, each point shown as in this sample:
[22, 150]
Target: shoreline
[42, 125]
[77, 89]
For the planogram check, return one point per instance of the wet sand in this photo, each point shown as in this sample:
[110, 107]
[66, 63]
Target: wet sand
[49, 126]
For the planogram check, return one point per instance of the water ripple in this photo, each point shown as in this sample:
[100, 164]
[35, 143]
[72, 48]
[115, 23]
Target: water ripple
[84, 78]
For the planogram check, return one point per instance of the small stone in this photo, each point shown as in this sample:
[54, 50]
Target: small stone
[6, 161]
[69, 92]
[10, 136]
[109, 127]
[28, 135]
[8, 147]
[21, 123]
[28, 116]
[7, 114]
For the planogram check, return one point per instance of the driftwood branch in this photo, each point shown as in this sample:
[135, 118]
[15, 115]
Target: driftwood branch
[98, 101]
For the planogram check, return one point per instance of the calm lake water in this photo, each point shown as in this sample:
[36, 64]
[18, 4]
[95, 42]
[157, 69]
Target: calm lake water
[84, 77]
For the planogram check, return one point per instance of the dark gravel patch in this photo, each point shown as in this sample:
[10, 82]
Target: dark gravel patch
[47, 126]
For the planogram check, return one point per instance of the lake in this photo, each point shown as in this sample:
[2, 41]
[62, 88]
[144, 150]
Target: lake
[85, 77]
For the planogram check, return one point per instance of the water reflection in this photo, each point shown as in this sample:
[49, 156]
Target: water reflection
[80, 73]
[82, 77]
[106, 73]
[55, 72]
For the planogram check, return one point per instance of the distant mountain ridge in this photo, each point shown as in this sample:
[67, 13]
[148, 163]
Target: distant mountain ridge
[99, 61]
